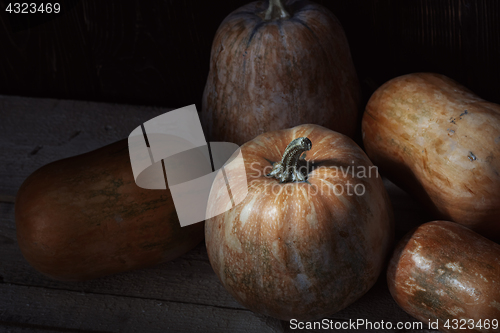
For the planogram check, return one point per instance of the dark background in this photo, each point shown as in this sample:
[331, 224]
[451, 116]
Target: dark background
[156, 52]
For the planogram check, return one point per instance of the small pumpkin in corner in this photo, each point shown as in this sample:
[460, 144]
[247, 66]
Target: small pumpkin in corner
[445, 272]
[276, 65]
[313, 232]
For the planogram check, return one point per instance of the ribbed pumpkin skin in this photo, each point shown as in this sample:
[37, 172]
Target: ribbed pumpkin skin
[84, 217]
[441, 143]
[442, 270]
[270, 75]
[298, 250]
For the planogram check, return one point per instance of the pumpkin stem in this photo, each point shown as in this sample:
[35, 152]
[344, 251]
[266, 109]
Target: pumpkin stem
[276, 11]
[293, 166]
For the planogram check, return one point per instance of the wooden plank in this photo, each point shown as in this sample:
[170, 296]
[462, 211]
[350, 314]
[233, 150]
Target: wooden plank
[106, 313]
[188, 279]
[22, 328]
[34, 132]
[375, 306]
[158, 52]
[16, 328]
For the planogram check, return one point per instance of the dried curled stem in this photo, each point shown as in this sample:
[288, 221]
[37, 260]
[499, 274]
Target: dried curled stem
[293, 167]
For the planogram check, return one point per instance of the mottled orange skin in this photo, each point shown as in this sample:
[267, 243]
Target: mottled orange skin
[444, 271]
[271, 75]
[441, 143]
[301, 251]
[84, 217]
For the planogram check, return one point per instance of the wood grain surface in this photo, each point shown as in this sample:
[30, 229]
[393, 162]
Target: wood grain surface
[183, 295]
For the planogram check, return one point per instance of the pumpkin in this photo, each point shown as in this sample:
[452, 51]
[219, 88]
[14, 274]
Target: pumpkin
[275, 65]
[84, 217]
[312, 233]
[441, 143]
[445, 272]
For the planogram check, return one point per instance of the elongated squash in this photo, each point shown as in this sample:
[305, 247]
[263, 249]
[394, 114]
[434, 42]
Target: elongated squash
[84, 217]
[441, 143]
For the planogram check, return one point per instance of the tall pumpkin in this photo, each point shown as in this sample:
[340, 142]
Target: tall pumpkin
[275, 65]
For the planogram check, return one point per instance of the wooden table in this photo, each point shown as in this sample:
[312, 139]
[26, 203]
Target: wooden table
[183, 295]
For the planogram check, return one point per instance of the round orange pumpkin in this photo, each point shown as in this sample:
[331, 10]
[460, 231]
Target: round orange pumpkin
[279, 64]
[306, 241]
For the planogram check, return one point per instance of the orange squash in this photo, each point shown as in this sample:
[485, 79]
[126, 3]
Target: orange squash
[279, 64]
[447, 273]
[84, 217]
[441, 143]
[312, 234]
